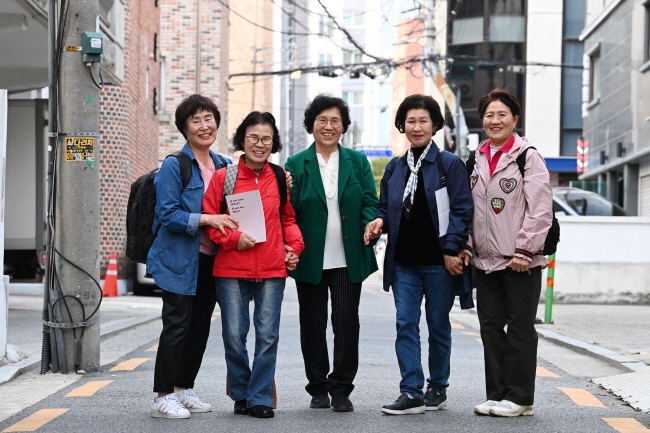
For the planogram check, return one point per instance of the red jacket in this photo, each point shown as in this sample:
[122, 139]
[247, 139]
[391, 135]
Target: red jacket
[265, 259]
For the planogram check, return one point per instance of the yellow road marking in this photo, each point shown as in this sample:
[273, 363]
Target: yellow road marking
[153, 348]
[581, 397]
[218, 313]
[471, 333]
[479, 340]
[88, 389]
[541, 371]
[214, 317]
[626, 425]
[130, 364]
[37, 420]
[457, 326]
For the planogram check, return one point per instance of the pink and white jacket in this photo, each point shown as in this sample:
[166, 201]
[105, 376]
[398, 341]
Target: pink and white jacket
[512, 215]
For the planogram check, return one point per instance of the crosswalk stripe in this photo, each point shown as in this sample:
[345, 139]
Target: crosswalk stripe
[541, 371]
[130, 364]
[582, 397]
[88, 389]
[626, 425]
[36, 420]
[471, 333]
[153, 348]
[457, 326]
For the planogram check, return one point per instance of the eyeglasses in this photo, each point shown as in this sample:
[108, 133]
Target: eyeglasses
[265, 140]
[322, 121]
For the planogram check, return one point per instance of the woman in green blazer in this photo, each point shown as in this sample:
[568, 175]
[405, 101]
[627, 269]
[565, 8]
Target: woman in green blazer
[334, 197]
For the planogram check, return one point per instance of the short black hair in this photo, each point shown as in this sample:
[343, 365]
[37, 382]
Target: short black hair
[419, 102]
[192, 105]
[324, 102]
[256, 118]
[499, 95]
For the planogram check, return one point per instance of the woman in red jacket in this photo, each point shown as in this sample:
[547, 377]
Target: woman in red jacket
[245, 268]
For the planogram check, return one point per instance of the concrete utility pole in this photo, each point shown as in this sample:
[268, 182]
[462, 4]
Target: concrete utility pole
[77, 187]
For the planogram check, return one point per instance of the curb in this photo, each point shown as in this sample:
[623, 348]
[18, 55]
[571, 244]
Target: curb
[615, 359]
[8, 372]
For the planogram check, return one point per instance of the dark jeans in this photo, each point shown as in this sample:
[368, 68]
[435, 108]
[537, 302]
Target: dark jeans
[186, 328]
[509, 298]
[312, 299]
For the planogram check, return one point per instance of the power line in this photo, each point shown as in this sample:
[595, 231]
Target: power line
[261, 26]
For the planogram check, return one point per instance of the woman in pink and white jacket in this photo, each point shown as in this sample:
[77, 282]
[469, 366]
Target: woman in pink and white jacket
[512, 215]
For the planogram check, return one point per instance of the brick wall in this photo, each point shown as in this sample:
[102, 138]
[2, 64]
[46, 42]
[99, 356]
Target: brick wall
[129, 130]
[178, 44]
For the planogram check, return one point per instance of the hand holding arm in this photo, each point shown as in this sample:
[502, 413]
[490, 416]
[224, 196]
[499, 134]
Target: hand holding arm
[373, 230]
[220, 222]
[454, 265]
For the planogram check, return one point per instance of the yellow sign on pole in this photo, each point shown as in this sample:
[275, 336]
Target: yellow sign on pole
[80, 149]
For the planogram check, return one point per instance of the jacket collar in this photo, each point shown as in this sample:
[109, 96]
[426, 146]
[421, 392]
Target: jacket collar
[187, 149]
[313, 170]
[431, 156]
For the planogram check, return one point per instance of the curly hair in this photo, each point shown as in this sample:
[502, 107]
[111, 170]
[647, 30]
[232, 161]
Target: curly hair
[324, 102]
[256, 118]
[419, 102]
[192, 105]
[499, 95]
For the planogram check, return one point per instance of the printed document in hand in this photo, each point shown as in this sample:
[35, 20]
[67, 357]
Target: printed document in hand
[247, 208]
[442, 199]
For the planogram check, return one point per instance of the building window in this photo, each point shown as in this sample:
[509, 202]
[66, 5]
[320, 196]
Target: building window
[325, 26]
[350, 58]
[353, 98]
[594, 75]
[325, 59]
[353, 20]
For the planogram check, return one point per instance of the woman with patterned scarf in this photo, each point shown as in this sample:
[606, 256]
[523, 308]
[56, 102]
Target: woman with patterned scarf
[426, 208]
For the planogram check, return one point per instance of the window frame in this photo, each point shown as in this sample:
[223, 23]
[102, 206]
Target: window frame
[594, 55]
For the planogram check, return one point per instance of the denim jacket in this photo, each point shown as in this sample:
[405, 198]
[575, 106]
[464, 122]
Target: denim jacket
[460, 200]
[173, 259]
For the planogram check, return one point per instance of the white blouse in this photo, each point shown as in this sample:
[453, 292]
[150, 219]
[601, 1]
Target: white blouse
[334, 256]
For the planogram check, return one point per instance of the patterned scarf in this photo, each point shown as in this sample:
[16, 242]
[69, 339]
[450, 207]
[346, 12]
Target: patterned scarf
[412, 184]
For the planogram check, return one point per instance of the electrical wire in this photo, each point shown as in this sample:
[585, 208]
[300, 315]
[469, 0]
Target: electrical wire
[93, 78]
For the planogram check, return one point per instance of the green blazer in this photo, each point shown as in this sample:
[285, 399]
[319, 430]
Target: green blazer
[358, 205]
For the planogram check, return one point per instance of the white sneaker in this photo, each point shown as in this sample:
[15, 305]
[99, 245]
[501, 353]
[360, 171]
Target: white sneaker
[168, 407]
[508, 408]
[484, 408]
[192, 402]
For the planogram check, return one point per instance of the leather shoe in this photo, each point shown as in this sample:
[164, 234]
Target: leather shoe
[320, 402]
[341, 403]
[241, 407]
[260, 411]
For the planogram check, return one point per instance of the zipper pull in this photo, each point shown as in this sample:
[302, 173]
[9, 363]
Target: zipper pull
[255, 180]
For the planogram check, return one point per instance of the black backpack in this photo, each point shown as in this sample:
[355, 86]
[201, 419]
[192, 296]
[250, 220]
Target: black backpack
[231, 178]
[553, 235]
[141, 209]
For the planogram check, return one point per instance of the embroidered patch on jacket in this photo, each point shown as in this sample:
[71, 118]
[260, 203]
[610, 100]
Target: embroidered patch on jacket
[472, 181]
[498, 204]
[508, 185]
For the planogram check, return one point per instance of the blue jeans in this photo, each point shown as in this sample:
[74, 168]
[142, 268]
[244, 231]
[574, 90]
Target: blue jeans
[256, 384]
[436, 284]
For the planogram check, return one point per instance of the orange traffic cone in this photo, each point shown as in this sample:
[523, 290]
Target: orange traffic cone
[110, 282]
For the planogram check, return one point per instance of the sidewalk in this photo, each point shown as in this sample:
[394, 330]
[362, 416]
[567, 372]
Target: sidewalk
[25, 329]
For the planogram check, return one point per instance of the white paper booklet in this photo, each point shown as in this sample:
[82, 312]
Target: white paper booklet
[442, 199]
[247, 208]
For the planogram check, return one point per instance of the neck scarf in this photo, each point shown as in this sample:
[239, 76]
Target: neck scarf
[412, 184]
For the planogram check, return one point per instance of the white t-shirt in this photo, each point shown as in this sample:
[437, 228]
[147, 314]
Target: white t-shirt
[334, 256]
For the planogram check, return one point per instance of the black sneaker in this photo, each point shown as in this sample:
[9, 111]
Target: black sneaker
[404, 405]
[320, 402]
[434, 401]
[341, 403]
[241, 407]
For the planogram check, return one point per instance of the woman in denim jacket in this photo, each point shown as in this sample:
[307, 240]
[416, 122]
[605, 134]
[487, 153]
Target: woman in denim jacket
[181, 260]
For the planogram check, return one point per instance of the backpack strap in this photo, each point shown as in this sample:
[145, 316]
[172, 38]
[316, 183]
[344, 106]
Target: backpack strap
[186, 166]
[521, 160]
[222, 160]
[441, 170]
[229, 184]
[281, 178]
[470, 163]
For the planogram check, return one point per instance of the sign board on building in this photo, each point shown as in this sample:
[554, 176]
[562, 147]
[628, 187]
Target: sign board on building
[377, 153]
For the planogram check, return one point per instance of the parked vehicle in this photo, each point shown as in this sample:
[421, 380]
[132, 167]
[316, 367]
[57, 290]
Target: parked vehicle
[577, 202]
[144, 285]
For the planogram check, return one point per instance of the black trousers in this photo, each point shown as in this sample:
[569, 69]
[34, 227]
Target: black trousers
[312, 299]
[509, 298]
[186, 328]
